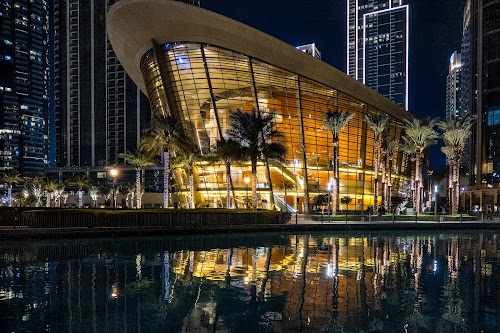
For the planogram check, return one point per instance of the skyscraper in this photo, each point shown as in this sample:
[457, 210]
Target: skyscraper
[99, 112]
[310, 49]
[23, 82]
[377, 46]
[453, 86]
[481, 88]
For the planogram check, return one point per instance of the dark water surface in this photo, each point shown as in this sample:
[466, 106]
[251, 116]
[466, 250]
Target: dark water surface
[324, 282]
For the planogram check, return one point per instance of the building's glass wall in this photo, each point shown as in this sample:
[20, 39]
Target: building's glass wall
[205, 84]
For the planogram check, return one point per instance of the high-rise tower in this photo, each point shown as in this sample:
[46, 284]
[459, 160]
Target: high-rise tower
[377, 46]
[310, 49]
[23, 83]
[99, 112]
[481, 88]
[453, 86]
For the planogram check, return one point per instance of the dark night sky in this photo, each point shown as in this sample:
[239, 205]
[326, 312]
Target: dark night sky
[435, 32]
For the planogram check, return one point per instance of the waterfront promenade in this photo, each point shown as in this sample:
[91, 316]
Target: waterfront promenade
[298, 223]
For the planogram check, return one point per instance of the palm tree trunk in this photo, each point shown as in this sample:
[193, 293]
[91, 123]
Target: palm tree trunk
[271, 192]
[138, 188]
[254, 183]
[418, 182]
[456, 187]
[335, 178]
[80, 198]
[228, 185]
[9, 194]
[375, 176]
[384, 184]
[389, 185]
[166, 166]
[451, 179]
[191, 188]
[47, 198]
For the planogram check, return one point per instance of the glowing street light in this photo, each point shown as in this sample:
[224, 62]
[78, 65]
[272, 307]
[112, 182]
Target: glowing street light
[114, 173]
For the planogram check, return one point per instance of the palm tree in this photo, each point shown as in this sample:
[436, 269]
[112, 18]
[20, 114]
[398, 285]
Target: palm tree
[163, 138]
[409, 150]
[130, 190]
[421, 134]
[392, 147]
[36, 184]
[49, 187]
[106, 192]
[81, 181]
[139, 160]
[10, 177]
[58, 193]
[186, 159]
[335, 121]
[228, 151]
[378, 124]
[258, 139]
[456, 133]
[94, 194]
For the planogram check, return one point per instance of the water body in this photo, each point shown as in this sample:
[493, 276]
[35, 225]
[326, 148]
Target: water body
[323, 282]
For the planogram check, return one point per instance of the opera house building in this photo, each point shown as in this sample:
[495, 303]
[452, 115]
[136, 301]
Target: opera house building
[201, 66]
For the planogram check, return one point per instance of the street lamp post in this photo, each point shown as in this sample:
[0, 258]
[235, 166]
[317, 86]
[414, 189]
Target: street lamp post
[435, 202]
[246, 180]
[114, 173]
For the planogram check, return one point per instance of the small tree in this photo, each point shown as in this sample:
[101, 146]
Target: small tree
[139, 160]
[94, 195]
[36, 185]
[187, 160]
[346, 201]
[57, 193]
[81, 181]
[228, 151]
[106, 192]
[10, 177]
[130, 190]
[50, 187]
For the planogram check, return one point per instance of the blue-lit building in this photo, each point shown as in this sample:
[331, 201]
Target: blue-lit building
[23, 85]
[377, 46]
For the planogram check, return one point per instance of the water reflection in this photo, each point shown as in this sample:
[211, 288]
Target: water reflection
[256, 283]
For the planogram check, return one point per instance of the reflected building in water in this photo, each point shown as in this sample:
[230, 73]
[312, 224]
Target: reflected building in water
[305, 283]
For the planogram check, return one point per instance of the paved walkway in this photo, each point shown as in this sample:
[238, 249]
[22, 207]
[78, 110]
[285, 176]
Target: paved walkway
[307, 219]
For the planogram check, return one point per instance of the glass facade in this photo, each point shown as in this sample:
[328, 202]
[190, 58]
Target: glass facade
[481, 89]
[203, 84]
[23, 86]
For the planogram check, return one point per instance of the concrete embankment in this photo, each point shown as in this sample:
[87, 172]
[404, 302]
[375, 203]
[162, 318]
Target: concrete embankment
[95, 223]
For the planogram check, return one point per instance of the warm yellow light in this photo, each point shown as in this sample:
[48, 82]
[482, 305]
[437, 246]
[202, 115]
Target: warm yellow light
[246, 180]
[113, 172]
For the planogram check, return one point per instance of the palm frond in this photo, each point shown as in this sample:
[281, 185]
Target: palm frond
[378, 124]
[336, 120]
